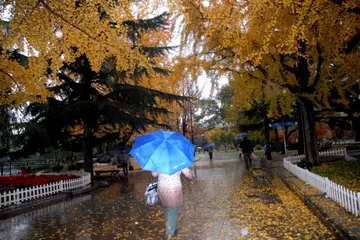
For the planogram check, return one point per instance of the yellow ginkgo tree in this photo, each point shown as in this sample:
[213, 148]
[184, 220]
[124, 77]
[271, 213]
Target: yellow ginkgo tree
[38, 36]
[306, 48]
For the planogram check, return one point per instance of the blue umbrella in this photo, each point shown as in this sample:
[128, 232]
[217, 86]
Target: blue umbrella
[163, 152]
[212, 145]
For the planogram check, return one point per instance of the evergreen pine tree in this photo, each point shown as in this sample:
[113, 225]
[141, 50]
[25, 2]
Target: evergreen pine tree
[98, 103]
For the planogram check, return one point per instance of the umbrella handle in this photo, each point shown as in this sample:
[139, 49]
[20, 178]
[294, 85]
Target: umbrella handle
[150, 178]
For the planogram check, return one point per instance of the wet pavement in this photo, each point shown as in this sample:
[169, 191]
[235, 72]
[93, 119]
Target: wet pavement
[223, 205]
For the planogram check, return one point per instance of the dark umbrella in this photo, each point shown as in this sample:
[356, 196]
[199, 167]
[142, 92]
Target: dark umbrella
[241, 136]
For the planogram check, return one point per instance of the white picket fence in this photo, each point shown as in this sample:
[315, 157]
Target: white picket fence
[346, 198]
[334, 152]
[18, 196]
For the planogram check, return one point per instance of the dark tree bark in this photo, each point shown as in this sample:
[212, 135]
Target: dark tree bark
[308, 126]
[277, 142]
[192, 127]
[87, 150]
[284, 130]
[301, 149]
[306, 105]
[267, 137]
[356, 128]
[184, 124]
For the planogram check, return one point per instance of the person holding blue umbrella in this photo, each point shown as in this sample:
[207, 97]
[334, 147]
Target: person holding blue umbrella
[167, 155]
[210, 148]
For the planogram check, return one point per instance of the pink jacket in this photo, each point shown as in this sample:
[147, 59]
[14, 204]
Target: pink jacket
[170, 187]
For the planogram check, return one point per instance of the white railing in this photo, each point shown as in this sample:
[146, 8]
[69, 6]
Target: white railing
[347, 142]
[295, 158]
[18, 196]
[334, 152]
[348, 199]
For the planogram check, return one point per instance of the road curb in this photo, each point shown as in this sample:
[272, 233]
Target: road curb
[15, 210]
[340, 232]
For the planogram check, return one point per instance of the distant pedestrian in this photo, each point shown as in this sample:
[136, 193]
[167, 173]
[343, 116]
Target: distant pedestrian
[171, 197]
[246, 150]
[239, 149]
[124, 161]
[265, 148]
[210, 151]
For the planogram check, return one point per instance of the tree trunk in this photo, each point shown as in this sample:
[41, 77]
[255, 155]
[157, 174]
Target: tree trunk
[308, 126]
[184, 124]
[356, 128]
[224, 147]
[87, 150]
[191, 126]
[267, 137]
[283, 144]
[277, 142]
[178, 123]
[300, 135]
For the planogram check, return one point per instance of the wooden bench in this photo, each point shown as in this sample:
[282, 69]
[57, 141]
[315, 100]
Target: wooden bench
[261, 171]
[112, 169]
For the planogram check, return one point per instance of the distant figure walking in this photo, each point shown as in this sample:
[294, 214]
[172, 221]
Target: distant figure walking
[124, 161]
[239, 149]
[171, 197]
[246, 150]
[210, 151]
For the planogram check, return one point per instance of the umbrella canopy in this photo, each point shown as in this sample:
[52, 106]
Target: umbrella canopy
[163, 151]
[212, 145]
[241, 136]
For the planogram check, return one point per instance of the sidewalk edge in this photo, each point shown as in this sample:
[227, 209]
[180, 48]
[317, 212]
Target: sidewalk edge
[318, 211]
[40, 203]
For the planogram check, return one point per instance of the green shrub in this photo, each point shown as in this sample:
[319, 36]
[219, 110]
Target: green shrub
[75, 167]
[258, 147]
[72, 167]
[79, 166]
[57, 168]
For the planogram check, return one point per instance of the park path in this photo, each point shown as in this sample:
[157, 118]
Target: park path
[223, 205]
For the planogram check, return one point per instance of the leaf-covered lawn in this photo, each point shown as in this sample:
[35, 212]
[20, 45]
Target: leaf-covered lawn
[345, 173]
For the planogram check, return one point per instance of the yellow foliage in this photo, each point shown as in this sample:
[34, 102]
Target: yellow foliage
[32, 30]
[213, 135]
[240, 36]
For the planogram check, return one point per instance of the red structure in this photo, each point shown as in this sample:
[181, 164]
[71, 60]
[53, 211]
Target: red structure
[33, 180]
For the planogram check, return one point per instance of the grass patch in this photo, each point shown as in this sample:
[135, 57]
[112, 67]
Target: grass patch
[345, 173]
[227, 151]
[292, 152]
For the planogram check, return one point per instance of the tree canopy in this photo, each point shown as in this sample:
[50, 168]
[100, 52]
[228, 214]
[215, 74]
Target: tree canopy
[44, 32]
[279, 51]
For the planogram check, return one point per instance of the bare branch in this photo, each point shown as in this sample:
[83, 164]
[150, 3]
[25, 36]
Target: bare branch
[65, 20]
[352, 43]
[9, 76]
[197, 8]
[319, 65]
[31, 12]
[355, 10]
[287, 67]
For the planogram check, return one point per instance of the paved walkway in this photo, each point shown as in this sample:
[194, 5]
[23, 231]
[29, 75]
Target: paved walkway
[223, 205]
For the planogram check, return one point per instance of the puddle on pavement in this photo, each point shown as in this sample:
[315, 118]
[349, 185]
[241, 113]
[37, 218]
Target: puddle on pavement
[21, 226]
